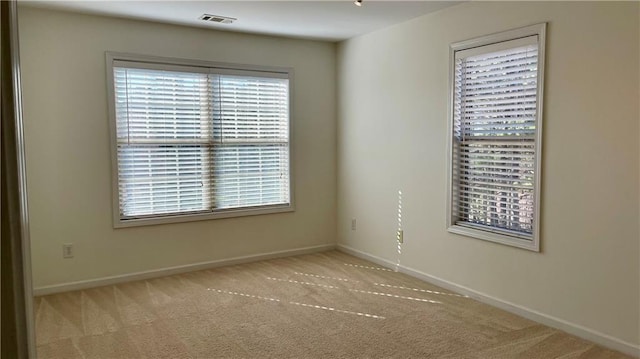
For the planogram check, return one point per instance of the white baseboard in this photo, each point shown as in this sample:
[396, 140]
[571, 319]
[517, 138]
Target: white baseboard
[571, 328]
[99, 282]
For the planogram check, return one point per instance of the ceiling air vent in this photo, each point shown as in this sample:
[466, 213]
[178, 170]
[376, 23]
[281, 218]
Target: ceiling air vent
[217, 18]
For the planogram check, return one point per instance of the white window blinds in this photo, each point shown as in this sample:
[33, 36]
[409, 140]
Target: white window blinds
[494, 137]
[251, 130]
[198, 140]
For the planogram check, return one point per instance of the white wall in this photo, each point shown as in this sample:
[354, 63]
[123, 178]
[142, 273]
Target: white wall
[392, 131]
[68, 154]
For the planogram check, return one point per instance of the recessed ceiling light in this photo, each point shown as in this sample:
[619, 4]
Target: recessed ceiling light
[217, 18]
[358, 2]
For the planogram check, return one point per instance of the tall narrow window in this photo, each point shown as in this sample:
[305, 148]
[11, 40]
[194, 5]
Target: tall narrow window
[197, 142]
[496, 132]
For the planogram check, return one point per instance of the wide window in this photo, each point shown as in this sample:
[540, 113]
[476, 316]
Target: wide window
[196, 141]
[496, 137]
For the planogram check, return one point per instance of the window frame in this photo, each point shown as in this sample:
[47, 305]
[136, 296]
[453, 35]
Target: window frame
[484, 232]
[118, 222]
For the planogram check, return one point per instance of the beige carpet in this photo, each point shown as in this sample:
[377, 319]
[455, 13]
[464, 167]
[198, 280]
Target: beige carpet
[325, 305]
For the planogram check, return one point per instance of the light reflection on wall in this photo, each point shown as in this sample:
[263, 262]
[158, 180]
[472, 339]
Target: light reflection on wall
[399, 234]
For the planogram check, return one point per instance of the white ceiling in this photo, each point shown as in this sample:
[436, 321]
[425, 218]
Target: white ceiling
[331, 20]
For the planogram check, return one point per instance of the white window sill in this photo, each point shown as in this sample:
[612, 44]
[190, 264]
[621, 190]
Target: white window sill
[191, 217]
[514, 241]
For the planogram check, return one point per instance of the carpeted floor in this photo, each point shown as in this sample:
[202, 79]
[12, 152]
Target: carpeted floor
[325, 305]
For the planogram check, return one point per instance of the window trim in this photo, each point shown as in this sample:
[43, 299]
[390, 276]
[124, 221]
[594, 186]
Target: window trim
[118, 222]
[499, 236]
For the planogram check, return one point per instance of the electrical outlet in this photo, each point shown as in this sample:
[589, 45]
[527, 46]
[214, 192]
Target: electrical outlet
[400, 236]
[67, 250]
[353, 224]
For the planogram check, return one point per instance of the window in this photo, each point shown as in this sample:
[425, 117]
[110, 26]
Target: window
[195, 140]
[495, 132]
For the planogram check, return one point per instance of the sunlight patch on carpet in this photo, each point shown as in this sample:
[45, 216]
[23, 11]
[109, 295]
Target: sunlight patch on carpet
[395, 296]
[325, 277]
[337, 310]
[304, 283]
[420, 290]
[366, 267]
[244, 295]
